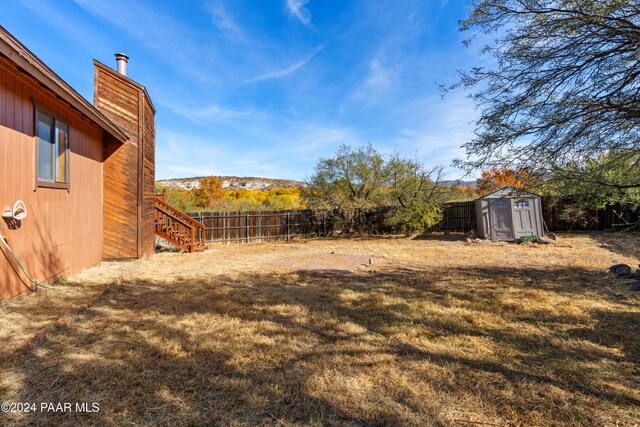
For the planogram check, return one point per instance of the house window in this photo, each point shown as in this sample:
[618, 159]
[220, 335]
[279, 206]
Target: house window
[53, 151]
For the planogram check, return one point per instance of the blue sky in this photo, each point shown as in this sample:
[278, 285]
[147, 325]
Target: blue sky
[265, 88]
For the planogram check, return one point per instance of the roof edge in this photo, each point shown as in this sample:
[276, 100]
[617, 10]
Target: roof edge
[19, 54]
[514, 189]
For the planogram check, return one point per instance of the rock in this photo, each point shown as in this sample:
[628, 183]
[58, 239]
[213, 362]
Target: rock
[625, 276]
[635, 286]
[615, 266]
[622, 269]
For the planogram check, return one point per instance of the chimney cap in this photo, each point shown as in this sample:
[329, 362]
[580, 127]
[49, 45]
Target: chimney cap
[121, 62]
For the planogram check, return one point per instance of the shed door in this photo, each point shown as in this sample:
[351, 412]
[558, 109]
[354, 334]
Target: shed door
[523, 215]
[501, 223]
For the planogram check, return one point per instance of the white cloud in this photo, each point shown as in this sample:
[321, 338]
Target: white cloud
[173, 41]
[141, 22]
[189, 171]
[75, 29]
[201, 158]
[319, 139]
[201, 115]
[296, 8]
[270, 155]
[285, 71]
[379, 77]
[436, 128]
[239, 129]
[379, 81]
[225, 22]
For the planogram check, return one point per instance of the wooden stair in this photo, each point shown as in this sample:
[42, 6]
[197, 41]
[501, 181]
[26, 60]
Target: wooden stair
[178, 228]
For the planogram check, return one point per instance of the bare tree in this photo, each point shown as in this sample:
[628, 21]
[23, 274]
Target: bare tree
[565, 87]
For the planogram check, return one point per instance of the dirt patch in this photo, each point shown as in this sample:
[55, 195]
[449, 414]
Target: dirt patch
[330, 262]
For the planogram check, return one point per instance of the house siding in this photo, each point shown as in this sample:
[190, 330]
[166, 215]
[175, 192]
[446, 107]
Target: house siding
[119, 103]
[149, 179]
[129, 176]
[63, 231]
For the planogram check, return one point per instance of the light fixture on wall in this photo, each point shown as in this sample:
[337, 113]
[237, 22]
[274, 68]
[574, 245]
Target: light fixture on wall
[19, 211]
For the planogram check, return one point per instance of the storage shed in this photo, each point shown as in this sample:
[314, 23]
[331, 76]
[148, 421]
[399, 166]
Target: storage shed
[510, 214]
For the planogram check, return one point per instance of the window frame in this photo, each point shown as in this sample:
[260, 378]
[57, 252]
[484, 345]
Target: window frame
[43, 183]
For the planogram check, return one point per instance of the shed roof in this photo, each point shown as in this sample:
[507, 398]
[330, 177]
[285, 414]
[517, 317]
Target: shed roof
[509, 191]
[18, 53]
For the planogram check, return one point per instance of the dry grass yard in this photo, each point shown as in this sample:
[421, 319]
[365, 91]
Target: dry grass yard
[436, 331]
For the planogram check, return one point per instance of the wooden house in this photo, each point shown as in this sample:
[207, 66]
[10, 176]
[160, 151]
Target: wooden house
[84, 172]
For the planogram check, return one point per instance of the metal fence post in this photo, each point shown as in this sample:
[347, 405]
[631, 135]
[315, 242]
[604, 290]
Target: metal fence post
[247, 226]
[288, 226]
[324, 224]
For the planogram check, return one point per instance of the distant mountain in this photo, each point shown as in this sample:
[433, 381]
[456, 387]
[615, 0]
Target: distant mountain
[460, 183]
[233, 183]
[257, 183]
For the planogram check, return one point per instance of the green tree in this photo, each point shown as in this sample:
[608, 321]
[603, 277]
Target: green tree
[588, 184]
[564, 90]
[350, 183]
[181, 199]
[356, 182]
[416, 193]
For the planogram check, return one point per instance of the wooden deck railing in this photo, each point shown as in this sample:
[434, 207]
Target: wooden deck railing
[178, 228]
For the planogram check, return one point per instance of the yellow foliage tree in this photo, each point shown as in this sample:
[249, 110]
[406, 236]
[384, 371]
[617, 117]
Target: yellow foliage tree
[209, 193]
[460, 194]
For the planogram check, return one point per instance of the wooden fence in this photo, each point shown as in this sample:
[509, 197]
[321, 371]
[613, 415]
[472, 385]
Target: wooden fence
[262, 226]
[615, 216]
[457, 217]
[461, 216]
